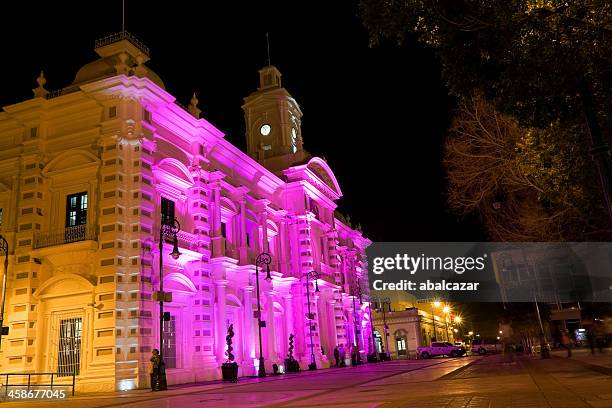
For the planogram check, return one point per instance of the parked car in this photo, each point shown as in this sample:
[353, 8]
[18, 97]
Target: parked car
[484, 346]
[440, 348]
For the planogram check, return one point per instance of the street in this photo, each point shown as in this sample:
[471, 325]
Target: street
[474, 382]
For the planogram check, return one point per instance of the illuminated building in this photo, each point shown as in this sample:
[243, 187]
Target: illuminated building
[85, 173]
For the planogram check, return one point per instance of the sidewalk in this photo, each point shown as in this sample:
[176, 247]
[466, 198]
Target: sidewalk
[584, 356]
[192, 388]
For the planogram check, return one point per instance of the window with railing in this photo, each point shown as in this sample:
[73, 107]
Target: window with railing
[76, 209]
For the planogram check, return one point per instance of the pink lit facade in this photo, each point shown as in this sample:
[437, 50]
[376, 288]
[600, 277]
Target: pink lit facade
[119, 137]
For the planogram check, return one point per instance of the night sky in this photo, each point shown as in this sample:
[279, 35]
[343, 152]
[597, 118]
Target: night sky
[377, 115]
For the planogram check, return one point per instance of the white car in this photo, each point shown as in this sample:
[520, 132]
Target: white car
[484, 346]
[440, 348]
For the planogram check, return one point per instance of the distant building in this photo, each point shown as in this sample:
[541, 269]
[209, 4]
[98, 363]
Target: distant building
[88, 174]
[411, 323]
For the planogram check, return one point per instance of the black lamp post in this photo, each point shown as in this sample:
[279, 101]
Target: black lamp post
[357, 325]
[165, 231]
[262, 259]
[310, 317]
[4, 247]
[385, 303]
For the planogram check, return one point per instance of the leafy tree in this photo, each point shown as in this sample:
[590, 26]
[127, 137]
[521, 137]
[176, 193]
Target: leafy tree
[544, 62]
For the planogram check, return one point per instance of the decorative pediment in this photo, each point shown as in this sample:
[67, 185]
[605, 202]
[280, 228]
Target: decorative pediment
[179, 282]
[70, 160]
[64, 285]
[319, 174]
[322, 171]
[174, 172]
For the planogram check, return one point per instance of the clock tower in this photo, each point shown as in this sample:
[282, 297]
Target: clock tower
[273, 123]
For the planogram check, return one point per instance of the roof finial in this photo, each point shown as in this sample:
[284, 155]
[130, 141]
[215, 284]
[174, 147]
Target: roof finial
[193, 107]
[268, 46]
[40, 92]
[140, 70]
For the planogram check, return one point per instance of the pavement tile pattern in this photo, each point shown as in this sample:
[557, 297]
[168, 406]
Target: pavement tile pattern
[497, 381]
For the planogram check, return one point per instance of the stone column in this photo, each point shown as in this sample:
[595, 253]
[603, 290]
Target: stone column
[264, 225]
[351, 319]
[289, 315]
[218, 240]
[243, 250]
[333, 332]
[221, 285]
[249, 341]
[284, 257]
[272, 354]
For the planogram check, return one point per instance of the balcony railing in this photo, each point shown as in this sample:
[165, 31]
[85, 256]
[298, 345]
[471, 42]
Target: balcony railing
[123, 35]
[65, 236]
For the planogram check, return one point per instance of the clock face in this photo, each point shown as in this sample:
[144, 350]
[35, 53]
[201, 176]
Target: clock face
[265, 129]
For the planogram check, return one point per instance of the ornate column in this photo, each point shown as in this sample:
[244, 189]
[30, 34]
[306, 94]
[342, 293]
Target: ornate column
[249, 341]
[333, 333]
[284, 257]
[351, 321]
[243, 250]
[289, 314]
[217, 238]
[272, 354]
[220, 285]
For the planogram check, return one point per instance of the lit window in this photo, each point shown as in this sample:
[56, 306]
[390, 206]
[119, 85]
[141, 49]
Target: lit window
[169, 350]
[76, 209]
[69, 347]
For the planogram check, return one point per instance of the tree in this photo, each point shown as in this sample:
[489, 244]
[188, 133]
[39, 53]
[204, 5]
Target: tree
[544, 62]
[525, 184]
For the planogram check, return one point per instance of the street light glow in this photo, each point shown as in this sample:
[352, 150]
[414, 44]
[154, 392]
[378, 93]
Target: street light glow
[458, 319]
[446, 309]
[436, 303]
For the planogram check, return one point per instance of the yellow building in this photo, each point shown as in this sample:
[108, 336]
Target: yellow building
[410, 323]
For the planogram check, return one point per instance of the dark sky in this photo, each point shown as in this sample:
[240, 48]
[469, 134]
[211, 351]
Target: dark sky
[378, 115]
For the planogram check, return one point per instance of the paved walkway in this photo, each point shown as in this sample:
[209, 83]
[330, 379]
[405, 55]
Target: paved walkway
[499, 381]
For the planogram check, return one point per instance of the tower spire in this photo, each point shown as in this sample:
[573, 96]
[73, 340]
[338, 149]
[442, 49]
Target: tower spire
[122, 16]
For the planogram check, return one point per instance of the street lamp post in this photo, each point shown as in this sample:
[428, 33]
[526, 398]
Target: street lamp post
[357, 325]
[310, 317]
[385, 302]
[433, 319]
[262, 259]
[167, 230]
[4, 247]
[446, 310]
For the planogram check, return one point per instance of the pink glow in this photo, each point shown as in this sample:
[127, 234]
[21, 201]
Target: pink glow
[218, 190]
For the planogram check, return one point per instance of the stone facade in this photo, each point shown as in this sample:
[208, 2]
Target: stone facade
[83, 172]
